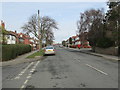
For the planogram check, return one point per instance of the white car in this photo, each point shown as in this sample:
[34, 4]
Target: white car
[49, 50]
[61, 46]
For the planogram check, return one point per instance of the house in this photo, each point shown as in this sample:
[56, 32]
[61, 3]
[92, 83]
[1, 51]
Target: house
[67, 43]
[84, 40]
[73, 42]
[77, 42]
[24, 39]
[36, 44]
[21, 38]
[11, 37]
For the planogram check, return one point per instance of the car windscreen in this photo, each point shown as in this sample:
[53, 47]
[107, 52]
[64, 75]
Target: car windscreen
[49, 48]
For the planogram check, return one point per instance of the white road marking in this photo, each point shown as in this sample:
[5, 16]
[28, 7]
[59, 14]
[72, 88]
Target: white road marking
[22, 86]
[29, 75]
[36, 64]
[25, 81]
[97, 69]
[22, 72]
[27, 67]
[17, 77]
[31, 71]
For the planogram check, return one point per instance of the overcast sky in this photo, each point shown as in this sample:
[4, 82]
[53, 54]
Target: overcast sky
[15, 14]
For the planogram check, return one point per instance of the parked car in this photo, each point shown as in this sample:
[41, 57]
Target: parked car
[61, 46]
[49, 50]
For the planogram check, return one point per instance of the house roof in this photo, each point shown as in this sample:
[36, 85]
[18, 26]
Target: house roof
[12, 33]
[24, 36]
[73, 36]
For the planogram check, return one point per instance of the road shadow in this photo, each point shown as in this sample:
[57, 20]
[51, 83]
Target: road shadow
[49, 55]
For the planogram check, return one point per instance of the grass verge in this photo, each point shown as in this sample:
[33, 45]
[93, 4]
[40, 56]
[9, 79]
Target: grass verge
[39, 53]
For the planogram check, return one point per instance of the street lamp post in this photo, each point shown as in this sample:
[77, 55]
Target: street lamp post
[39, 30]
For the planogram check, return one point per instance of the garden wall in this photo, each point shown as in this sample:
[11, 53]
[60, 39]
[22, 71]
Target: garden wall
[109, 51]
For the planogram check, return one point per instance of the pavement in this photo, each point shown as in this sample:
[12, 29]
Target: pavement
[20, 59]
[67, 69]
[89, 51]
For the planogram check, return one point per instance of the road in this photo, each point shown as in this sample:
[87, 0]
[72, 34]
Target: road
[67, 69]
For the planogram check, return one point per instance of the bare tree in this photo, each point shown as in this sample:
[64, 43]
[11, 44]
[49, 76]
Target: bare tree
[47, 24]
[91, 22]
[31, 26]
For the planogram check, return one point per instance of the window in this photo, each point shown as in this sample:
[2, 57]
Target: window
[8, 37]
[21, 40]
[49, 48]
[12, 37]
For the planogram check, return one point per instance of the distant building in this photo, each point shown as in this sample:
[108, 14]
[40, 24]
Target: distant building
[73, 42]
[84, 40]
[78, 41]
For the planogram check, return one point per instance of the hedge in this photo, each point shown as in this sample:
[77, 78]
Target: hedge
[119, 51]
[104, 42]
[13, 50]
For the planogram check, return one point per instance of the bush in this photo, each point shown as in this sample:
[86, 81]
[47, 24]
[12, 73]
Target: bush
[104, 43]
[14, 50]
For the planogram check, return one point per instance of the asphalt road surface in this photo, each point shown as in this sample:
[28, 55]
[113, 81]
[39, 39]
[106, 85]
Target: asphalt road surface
[67, 69]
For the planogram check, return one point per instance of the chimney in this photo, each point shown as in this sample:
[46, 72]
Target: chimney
[15, 31]
[2, 24]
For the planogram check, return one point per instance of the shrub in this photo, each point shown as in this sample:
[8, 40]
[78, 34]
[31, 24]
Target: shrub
[14, 50]
[104, 43]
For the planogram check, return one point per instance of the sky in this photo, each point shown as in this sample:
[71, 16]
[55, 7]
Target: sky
[66, 14]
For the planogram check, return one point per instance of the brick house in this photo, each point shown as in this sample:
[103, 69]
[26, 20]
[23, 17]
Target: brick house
[84, 40]
[23, 38]
[26, 39]
[73, 42]
[79, 41]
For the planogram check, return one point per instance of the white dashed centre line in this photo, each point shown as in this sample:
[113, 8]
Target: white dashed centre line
[96, 69]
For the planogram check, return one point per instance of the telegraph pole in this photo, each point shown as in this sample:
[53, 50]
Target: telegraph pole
[39, 31]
